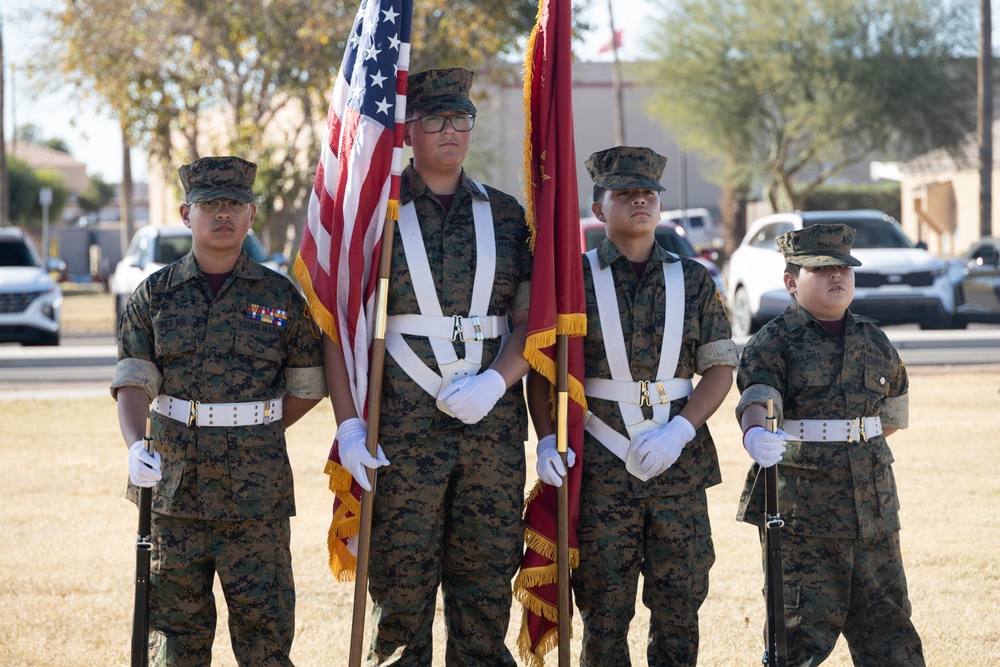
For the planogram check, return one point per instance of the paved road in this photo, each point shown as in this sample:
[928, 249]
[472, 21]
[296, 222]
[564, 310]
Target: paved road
[92, 359]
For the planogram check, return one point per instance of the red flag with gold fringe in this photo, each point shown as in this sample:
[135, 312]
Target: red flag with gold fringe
[557, 304]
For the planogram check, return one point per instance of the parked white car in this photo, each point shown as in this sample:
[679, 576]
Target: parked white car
[699, 227]
[153, 247]
[30, 300]
[897, 283]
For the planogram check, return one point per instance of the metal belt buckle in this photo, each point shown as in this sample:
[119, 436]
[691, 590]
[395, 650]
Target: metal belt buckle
[664, 399]
[857, 431]
[456, 332]
[644, 393]
[478, 328]
[193, 415]
[267, 412]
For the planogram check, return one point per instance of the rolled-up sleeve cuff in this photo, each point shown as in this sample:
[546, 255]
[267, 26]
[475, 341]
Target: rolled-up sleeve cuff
[308, 383]
[896, 412]
[716, 353]
[757, 394]
[137, 373]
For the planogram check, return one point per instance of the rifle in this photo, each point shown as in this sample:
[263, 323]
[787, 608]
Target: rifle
[143, 544]
[775, 654]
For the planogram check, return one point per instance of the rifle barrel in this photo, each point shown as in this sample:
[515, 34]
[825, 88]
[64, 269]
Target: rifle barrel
[143, 545]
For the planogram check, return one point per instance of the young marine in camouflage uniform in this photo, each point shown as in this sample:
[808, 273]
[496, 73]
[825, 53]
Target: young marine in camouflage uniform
[654, 320]
[224, 350]
[839, 389]
[447, 509]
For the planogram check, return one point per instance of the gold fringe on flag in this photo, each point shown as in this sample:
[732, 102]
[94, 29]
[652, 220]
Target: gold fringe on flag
[318, 312]
[527, 168]
[548, 642]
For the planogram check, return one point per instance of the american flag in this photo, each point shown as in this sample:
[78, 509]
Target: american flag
[355, 191]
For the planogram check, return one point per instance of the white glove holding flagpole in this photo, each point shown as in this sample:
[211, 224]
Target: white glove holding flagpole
[352, 439]
[549, 465]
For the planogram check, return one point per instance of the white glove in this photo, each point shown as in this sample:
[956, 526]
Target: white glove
[550, 466]
[765, 447]
[143, 467]
[470, 399]
[657, 450]
[352, 438]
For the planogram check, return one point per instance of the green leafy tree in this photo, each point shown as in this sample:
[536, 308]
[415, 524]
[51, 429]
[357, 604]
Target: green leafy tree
[790, 92]
[250, 78]
[25, 184]
[97, 195]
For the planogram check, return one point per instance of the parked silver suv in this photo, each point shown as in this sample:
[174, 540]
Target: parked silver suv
[897, 283]
[30, 300]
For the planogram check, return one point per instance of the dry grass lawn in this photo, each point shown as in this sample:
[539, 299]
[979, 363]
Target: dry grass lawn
[67, 555]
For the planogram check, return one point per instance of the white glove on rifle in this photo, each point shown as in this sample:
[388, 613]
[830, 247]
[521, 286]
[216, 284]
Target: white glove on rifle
[765, 447]
[470, 399]
[657, 450]
[352, 438]
[550, 466]
[143, 467]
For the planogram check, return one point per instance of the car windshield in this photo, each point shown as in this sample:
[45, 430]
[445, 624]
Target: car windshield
[674, 242]
[874, 233]
[172, 248]
[16, 253]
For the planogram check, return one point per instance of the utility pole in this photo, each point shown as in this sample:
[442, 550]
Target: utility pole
[984, 123]
[4, 179]
[616, 82]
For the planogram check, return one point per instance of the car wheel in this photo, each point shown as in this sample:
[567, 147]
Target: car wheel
[742, 316]
[43, 339]
[945, 322]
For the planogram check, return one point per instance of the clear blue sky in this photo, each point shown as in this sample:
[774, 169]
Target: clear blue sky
[92, 134]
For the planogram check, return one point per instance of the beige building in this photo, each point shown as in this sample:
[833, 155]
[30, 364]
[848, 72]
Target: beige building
[940, 196]
[38, 157]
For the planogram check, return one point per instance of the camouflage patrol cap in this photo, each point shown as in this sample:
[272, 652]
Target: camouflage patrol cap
[626, 167]
[819, 245]
[218, 178]
[434, 91]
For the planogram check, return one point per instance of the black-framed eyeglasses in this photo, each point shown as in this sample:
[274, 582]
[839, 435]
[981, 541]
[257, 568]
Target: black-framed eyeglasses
[462, 122]
[213, 207]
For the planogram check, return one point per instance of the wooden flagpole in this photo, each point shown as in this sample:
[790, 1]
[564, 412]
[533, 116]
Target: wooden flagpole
[562, 496]
[374, 415]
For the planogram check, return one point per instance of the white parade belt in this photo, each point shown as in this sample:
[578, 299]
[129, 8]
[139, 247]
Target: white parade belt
[834, 430]
[217, 414]
[642, 392]
[449, 328]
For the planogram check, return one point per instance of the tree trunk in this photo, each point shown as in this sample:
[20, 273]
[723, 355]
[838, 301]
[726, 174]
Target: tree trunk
[126, 208]
[733, 207]
[984, 125]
